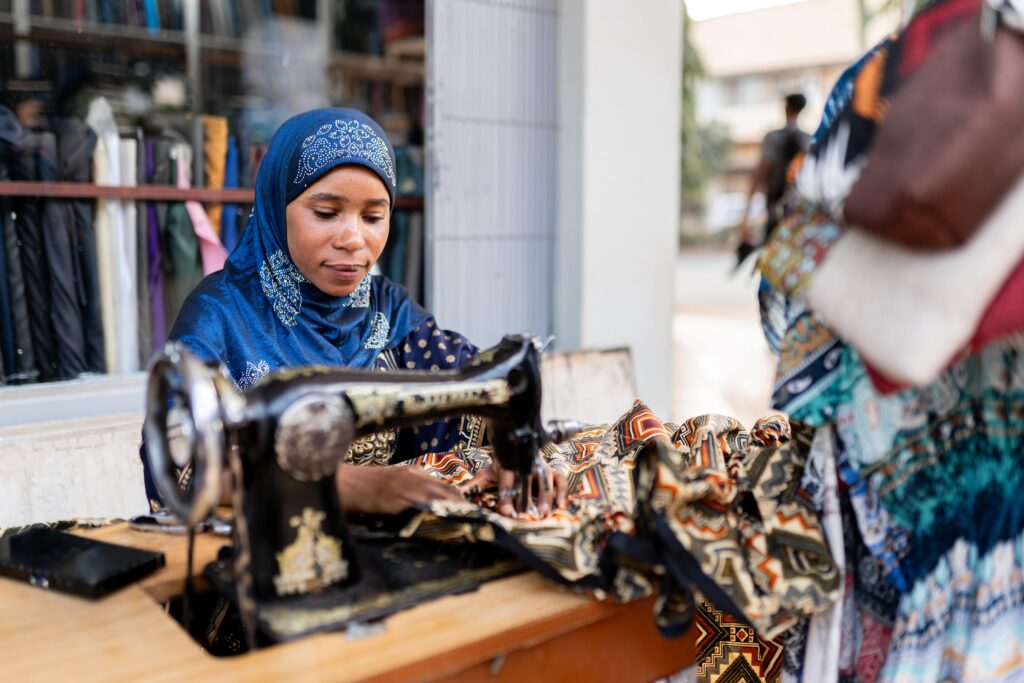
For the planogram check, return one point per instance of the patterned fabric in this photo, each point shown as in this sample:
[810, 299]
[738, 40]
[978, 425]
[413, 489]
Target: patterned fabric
[868, 607]
[796, 249]
[934, 530]
[348, 139]
[704, 506]
[430, 348]
[794, 651]
[729, 651]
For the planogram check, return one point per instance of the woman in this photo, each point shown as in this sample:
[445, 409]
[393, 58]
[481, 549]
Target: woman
[297, 290]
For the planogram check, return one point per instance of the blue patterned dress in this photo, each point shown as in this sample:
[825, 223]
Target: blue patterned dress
[933, 474]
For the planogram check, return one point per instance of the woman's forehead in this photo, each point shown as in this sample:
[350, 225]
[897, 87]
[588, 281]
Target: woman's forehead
[350, 182]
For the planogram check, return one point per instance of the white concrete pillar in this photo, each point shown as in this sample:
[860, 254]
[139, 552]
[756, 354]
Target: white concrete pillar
[618, 194]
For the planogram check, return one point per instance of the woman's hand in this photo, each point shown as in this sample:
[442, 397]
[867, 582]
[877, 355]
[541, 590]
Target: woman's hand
[388, 490]
[554, 490]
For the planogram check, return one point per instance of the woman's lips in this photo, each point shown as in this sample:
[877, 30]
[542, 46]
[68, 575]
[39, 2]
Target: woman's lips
[344, 272]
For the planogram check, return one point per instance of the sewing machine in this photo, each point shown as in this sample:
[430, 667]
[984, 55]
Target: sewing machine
[295, 566]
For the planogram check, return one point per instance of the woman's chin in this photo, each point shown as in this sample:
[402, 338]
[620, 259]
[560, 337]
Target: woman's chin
[340, 285]
[336, 290]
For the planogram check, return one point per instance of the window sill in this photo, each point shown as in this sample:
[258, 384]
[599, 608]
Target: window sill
[91, 397]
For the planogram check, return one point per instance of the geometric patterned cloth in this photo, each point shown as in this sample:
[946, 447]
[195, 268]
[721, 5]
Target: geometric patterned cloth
[704, 507]
[729, 651]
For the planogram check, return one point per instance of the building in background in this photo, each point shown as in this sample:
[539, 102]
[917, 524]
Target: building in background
[753, 59]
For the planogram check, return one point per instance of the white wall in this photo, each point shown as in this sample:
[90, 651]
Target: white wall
[71, 469]
[618, 192]
[492, 124]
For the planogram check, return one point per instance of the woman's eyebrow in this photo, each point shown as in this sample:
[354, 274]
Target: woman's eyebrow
[327, 197]
[331, 197]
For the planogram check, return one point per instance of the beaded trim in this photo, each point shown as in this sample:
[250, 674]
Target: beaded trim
[344, 139]
[360, 297]
[280, 281]
[378, 332]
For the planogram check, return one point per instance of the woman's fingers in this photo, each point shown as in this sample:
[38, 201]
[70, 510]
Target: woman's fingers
[507, 493]
[390, 490]
[561, 489]
[484, 480]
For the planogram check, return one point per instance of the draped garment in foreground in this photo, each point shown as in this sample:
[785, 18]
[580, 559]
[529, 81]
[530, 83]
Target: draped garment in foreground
[933, 472]
[702, 507]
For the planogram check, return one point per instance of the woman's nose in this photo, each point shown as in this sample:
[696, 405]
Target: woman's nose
[348, 236]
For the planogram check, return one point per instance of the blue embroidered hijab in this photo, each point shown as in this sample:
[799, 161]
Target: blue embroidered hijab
[260, 313]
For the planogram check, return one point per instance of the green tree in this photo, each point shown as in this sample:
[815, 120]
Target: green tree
[704, 147]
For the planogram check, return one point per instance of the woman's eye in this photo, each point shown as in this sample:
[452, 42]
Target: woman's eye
[373, 219]
[323, 215]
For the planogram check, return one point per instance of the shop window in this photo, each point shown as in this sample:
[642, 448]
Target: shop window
[124, 123]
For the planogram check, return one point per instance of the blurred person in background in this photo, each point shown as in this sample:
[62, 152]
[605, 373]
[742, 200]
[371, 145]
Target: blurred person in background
[771, 175]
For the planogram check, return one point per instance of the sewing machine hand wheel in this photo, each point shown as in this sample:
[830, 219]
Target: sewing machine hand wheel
[184, 424]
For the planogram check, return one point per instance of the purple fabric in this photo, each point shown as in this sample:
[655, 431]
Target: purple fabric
[156, 269]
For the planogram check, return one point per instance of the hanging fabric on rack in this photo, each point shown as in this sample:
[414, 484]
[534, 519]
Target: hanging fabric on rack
[165, 172]
[229, 219]
[107, 171]
[181, 254]
[256, 153]
[155, 270]
[76, 143]
[210, 248]
[144, 332]
[28, 223]
[165, 168]
[127, 252]
[20, 364]
[60, 251]
[8, 354]
[215, 149]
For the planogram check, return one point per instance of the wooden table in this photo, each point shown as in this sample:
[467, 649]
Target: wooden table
[513, 629]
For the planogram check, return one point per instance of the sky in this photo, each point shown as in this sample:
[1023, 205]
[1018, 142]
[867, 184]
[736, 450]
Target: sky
[709, 9]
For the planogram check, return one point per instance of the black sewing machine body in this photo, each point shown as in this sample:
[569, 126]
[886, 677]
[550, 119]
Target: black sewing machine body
[295, 568]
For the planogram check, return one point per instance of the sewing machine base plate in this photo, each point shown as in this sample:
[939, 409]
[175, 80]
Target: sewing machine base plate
[397, 573]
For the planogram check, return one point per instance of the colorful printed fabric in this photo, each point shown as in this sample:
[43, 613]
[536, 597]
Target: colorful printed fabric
[796, 248]
[729, 650]
[934, 585]
[868, 607]
[704, 507]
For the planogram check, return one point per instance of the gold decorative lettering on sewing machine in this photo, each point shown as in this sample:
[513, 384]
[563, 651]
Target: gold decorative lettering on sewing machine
[284, 438]
[375, 404]
[313, 560]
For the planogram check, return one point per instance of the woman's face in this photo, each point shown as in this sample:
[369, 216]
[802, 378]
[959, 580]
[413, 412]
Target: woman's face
[338, 227]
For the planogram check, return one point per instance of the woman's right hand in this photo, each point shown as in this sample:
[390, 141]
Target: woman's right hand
[388, 490]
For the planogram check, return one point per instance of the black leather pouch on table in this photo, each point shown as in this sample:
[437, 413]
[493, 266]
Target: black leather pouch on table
[73, 564]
